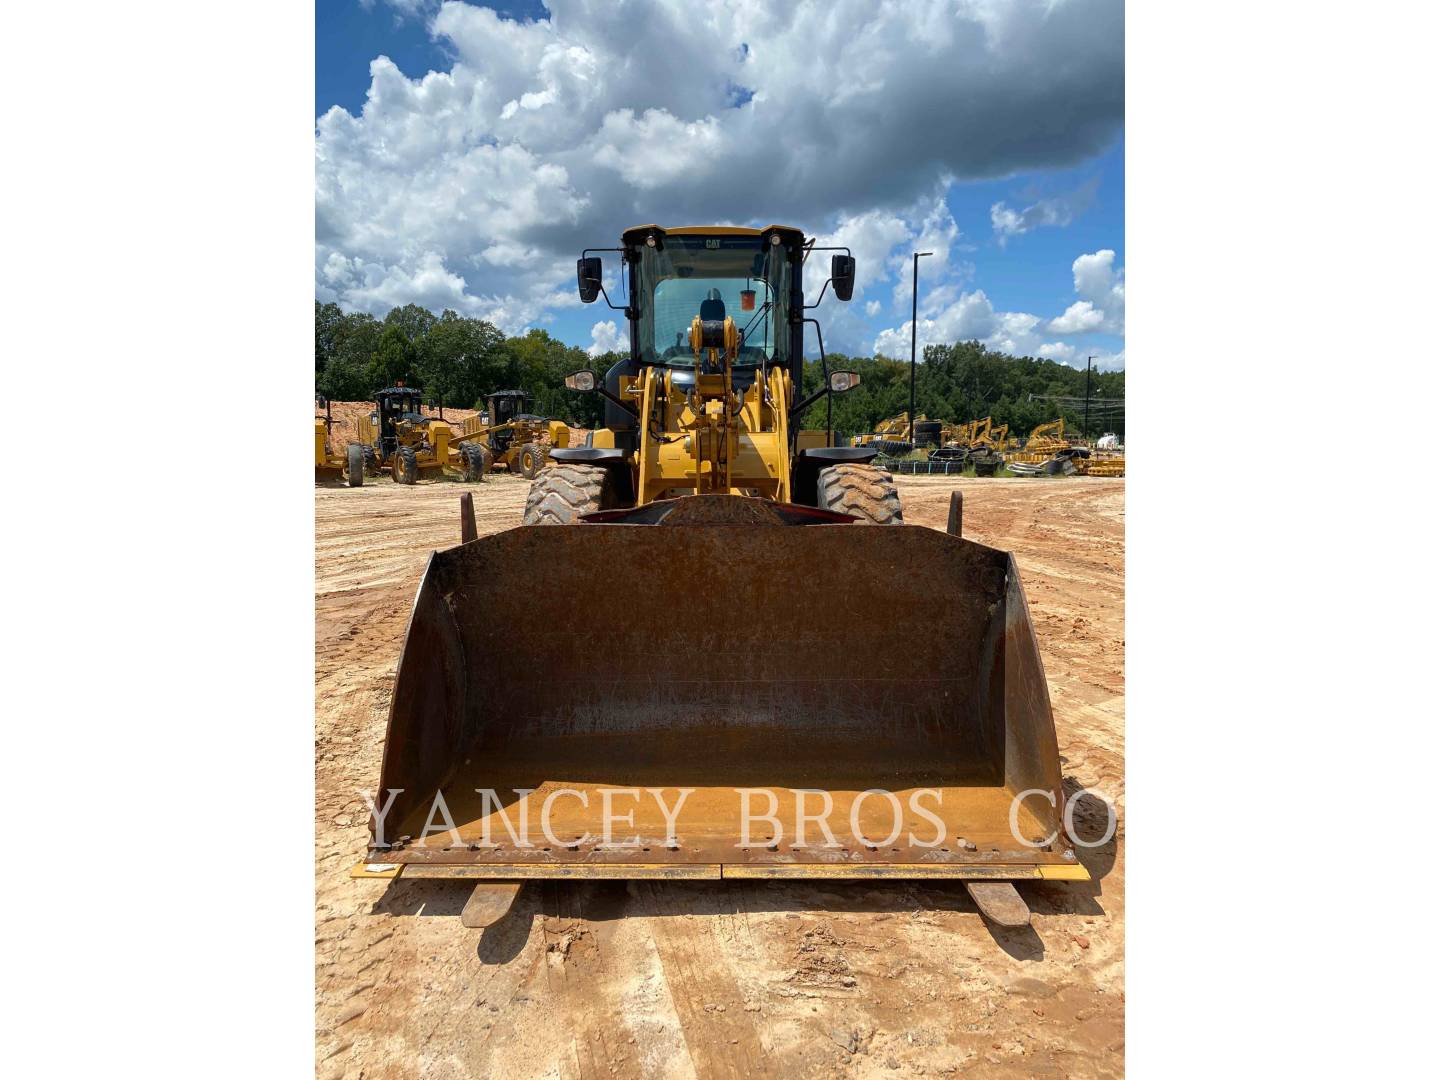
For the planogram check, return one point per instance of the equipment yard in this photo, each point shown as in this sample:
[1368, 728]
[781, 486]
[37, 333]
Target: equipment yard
[807, 978]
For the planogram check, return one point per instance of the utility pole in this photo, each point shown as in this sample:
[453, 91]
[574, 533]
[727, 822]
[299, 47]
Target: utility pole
[1088, 359]
[914, 309]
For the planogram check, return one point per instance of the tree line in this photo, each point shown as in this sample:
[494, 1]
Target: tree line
[456, 361]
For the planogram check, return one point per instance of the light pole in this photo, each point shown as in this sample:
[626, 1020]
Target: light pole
[1087, 395]
[914, 308]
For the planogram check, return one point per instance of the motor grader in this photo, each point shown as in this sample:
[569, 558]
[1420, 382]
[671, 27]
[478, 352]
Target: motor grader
[328, 467]
[509, 437]
[734, 707]
[399, 437]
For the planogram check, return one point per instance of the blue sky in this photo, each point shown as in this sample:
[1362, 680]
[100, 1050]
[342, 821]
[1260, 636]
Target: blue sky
[466, 152]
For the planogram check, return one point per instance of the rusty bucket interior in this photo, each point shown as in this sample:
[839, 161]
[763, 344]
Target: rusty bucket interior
[554, 676]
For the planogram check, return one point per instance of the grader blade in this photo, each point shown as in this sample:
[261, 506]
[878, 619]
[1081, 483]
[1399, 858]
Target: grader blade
[761, 691]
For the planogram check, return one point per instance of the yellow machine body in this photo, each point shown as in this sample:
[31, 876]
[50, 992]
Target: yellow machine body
[327, 466]
[1042, 445]
[521, 445]
[400, 438]
[747, 665]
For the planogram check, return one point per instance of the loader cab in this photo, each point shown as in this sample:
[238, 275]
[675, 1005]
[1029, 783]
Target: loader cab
[393, 405]
[673, 276]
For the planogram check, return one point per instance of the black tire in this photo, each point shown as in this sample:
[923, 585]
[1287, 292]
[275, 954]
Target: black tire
[404, 467]
[531, 460]
[563, 492]
[475, 463]
[372, 461]
[893, 447]
[355, 465]
[863, 491]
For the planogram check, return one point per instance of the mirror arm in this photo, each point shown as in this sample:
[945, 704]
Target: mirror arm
[613, 307]
[608, 396]
[819, 298]
[629, 407]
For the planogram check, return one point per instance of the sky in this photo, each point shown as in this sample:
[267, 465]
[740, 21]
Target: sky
[466, 153]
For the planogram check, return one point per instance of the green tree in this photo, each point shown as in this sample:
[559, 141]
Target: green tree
[413, 321]
[459, 359]
[350, 343]
[394, 360]
[329, 326]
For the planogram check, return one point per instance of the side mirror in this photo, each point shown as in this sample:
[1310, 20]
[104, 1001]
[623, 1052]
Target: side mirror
[841, 381]
[583, 381]
[587, 275]
[842, 276]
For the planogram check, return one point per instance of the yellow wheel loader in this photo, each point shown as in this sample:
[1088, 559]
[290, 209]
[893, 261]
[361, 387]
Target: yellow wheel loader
[398, 437]
[509, 437]
[742, 695]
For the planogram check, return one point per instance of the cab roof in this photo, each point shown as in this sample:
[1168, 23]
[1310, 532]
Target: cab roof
[637, 232]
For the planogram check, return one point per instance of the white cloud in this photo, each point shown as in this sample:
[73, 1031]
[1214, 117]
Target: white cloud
[1078, 318]
[959, 315]
[410, 8]
[605, 337]
[1056, 212]
[1102, 288]
[1097, 280]
[475, 187]
[1007, 222]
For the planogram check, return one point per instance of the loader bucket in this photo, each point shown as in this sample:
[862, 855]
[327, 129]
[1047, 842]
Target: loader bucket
[702, 683]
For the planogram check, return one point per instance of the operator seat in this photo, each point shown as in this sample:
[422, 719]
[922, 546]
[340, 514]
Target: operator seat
[712, 308]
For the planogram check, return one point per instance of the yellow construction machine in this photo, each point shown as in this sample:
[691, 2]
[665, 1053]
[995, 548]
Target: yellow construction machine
[983, 446]
[509, 437]
[328, 467]
[891, 436]
[1044, 441]
[730, 705]
[1038, 455]
[399, 437]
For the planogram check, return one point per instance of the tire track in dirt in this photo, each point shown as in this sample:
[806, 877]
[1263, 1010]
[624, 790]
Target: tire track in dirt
[720, 1037]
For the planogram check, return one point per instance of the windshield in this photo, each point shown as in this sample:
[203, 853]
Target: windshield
[744, 277]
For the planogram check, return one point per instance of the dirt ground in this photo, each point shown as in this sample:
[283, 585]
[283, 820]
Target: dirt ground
[616, 979]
